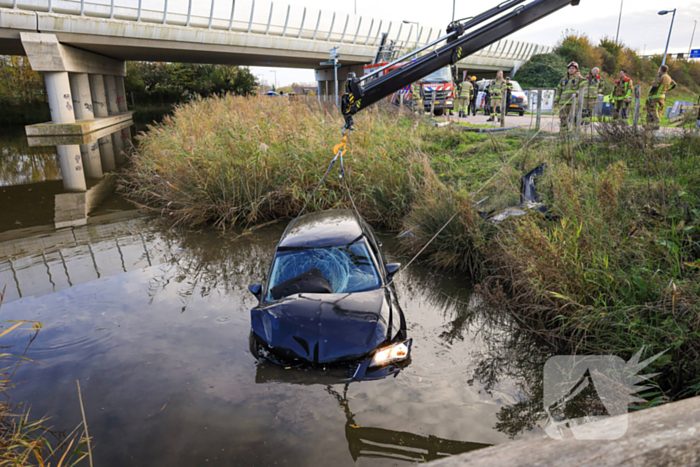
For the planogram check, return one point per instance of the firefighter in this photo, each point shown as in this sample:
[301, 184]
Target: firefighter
[496, 91]
[416, 90]
[566, 92]
[465, 97]
[509, 93]
[621, 96]
[657, 95]
[594, 86]
[475, 93]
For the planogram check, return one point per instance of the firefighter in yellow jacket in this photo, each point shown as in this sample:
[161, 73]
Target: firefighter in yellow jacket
[417, 97]
[621, 96]
[566, 92]
[465, 96]
[657, 95]
[594, 86]
[497, 90]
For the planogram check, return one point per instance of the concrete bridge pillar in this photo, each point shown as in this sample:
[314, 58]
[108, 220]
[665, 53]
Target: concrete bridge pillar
[113, 109]
[61, 106]
[82, 106]
[325, 78]
[99, 106]
[121, 103]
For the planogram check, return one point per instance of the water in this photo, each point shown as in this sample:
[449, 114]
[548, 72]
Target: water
[155, 324]
[21, 164]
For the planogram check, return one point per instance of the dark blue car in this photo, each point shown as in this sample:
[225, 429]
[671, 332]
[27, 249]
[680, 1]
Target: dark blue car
[327, 300]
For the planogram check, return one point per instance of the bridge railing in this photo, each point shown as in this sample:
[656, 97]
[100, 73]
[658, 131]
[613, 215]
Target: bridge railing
[268, 18]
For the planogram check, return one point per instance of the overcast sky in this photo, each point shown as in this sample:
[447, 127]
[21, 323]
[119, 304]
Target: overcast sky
[641, 27]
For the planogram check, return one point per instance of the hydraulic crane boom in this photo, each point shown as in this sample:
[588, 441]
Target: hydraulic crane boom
[462, 40]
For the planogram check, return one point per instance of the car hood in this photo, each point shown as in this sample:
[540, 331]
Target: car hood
[323, 328]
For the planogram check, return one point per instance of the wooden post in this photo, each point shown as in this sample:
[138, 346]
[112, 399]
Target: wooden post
[503, 111]
[637, 105]
[432, 104]
[539, 109]
[579, 110]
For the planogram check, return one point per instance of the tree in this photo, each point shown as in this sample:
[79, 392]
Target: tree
[542, 71]
[575, 47]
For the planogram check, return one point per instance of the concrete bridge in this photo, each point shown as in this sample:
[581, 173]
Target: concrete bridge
[81, 47]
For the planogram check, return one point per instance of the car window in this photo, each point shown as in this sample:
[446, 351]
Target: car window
[516, 86]
[348, 269]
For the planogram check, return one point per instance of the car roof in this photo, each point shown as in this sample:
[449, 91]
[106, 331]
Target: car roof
[333, 227]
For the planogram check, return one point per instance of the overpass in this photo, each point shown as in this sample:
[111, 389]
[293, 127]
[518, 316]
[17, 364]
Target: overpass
[81, 47]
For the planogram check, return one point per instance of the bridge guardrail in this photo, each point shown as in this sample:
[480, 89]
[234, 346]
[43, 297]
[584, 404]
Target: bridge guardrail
[268, 18]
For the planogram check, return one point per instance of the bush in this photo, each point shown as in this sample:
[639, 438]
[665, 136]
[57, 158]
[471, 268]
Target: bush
[575, 47]
[542, 71]
[240, 161]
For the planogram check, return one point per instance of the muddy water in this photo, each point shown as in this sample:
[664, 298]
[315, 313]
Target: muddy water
[155, 325]
[21, 164]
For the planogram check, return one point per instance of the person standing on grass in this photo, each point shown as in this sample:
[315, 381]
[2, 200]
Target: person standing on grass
[496, 90]
[657, 95]
[566, 92]
[594, 86]
[621, 96]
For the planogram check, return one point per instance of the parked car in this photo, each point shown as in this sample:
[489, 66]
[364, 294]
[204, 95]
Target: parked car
[518, 101]
[272, 94]
[328, 301]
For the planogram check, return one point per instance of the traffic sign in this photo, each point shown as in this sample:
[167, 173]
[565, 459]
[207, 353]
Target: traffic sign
[331, 63]
[695, 53]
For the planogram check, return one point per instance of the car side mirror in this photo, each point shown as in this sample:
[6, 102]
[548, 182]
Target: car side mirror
[255, 289]
[391, 268]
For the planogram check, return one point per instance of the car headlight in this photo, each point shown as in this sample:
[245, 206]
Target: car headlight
[393, 353]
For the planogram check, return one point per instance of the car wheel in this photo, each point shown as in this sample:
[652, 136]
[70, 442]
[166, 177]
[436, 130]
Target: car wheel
[521, 113]
[439, 112]
[254, 346]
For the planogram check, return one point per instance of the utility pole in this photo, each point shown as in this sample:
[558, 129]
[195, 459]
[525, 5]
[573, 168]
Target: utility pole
[691, 38]
[619, 20]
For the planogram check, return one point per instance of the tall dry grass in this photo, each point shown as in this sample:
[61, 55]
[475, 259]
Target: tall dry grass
[245, 160]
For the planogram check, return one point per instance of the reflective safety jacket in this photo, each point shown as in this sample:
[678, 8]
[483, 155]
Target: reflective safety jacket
[496, 88]
[568, 86]
[661, 85]
[622, 90]
[594, 86]
[465, 91]
[415, 89]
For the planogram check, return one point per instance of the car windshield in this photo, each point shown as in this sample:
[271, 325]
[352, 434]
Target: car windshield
[347, 268]
[516, 86]
[443, 74]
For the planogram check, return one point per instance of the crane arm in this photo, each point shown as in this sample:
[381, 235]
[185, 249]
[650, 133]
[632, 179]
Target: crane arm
[462, 40]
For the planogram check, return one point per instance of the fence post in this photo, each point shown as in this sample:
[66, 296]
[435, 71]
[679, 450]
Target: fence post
[211, 15]
[539, 109]
[637, 105]
[579, 110]
[318, 23]
[269, 19]
[138, 15]
[286, 21]
[252, 11]
[165, 12]
[189, 13]
[301, 28]
[432, 103]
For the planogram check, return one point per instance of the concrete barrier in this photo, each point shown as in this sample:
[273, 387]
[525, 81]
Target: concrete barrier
[667, 435]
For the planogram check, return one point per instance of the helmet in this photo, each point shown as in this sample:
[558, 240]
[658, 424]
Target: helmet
[473, 78]
[572, 64]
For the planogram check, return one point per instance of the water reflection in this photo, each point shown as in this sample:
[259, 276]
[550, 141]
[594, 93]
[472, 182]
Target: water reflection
[20, 163]
[155, 325]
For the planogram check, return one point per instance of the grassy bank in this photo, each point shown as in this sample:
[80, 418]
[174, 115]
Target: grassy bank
[614, 266]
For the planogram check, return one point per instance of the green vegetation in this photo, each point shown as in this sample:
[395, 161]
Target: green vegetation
[546, 70]
[613, 268]
[22, 93]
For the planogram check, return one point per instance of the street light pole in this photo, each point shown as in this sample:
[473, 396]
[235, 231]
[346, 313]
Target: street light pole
[619, 20]
[669, 32]
[275, 72]
[691, 38]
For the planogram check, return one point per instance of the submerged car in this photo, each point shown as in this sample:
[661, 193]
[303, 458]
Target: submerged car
[328, 301]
